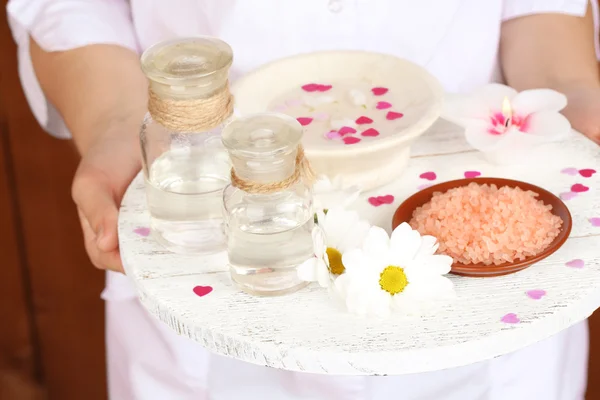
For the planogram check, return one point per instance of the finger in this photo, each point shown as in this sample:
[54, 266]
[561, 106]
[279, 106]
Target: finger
[93, 196]
[110, 260]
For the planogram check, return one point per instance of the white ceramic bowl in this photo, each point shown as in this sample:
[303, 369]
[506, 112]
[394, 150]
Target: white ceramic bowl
[370, 163]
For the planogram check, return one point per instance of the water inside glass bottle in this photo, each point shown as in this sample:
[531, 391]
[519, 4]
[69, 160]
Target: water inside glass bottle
[186, 166]
[269, 234]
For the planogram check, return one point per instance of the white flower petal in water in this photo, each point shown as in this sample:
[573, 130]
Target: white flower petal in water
[535, 100]
[548, 126]
[316, 101]
[357, 97]
[337, 124]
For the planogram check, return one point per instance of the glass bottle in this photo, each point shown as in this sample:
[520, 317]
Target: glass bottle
[185, 164]
[269, 226]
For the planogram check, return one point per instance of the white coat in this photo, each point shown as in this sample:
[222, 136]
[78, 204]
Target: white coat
[456, 40]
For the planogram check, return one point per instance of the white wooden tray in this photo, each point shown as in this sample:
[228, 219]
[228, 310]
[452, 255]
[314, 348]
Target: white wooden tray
[303, 332]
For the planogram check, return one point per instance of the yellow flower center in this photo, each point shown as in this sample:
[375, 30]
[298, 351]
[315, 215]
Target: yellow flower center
[393, 279]
[335, 261]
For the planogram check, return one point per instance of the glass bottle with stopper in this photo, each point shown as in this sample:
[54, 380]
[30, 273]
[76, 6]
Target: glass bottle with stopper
[185, 164]
[268, 205]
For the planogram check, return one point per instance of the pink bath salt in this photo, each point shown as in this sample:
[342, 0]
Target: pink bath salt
[486, 224]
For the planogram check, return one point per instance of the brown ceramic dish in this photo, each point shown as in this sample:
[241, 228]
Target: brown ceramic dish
[405, 211]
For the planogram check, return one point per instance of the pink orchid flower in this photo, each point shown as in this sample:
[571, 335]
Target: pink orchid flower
[497, 118]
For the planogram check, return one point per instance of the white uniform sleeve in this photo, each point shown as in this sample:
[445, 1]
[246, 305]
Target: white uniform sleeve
[520, 8]
[58, 25]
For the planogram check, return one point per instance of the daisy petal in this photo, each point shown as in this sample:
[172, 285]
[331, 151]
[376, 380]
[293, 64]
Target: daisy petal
[548, 125]
[379, 304]
[354, 261]
[404, 244]
[429, 245]
[357, 304]
[355, 237]
[377, 243]
[338, 222]
[322, 184]
[323, 276]
[351, 195]
[318, 241]
[436, 264]
[535, 100]
[340, 286]
[307, 271]
[405, 304]
[430, 288]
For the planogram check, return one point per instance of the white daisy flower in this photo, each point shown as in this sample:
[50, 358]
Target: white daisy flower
[328, 194]
[337, 232]
[402, 272]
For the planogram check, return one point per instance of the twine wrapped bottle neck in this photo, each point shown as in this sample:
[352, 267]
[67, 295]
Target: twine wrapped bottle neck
[191, 115]
[302, 171]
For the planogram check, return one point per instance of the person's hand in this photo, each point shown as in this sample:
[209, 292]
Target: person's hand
[106, 169]
[583, 110]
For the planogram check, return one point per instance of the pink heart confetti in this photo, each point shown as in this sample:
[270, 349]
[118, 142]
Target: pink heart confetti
[311, 87]
[576, 263]
[304, 120]
[392, 115]
[142, 231]
[323, 88]
[321, 116]
[510, 318]
[377, 201]
[570, 171]
[351, 140]
[536, 294]
[371, 132]
[430, 176]
[424, 186]
[595, 221]
[333, 135]
[567, 195]
[587, 173]
[202, 291]
[579, 188]
[472, 174]
[383, 105]
[345, 130]
[363, 120]
[378, 91]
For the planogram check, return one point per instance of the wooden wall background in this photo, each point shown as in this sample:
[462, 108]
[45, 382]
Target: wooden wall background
[51, 315]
